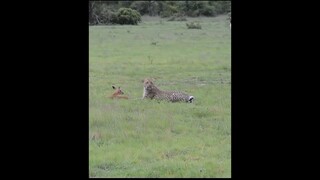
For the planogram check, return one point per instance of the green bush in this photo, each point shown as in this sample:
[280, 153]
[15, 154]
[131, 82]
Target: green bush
[169, 10]
[100, 14]
[178, 17]
[146, 7]
[126, 16]
[106, 12]
[194, 13]
[140, 6]
[208, 11]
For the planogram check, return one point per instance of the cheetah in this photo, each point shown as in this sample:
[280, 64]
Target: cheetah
[150, 91]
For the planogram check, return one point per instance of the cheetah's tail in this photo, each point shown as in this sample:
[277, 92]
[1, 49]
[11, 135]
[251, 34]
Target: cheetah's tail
[191, 98]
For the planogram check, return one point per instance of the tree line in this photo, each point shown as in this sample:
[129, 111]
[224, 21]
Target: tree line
[130, 12]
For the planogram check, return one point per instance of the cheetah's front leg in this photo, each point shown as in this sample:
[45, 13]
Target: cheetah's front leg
[144, 93]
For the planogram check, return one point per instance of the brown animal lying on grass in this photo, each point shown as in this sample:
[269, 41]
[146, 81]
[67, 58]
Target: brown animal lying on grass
[118, 94]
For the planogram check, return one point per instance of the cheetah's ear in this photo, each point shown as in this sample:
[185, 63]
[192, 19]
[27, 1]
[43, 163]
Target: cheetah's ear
[113, 87]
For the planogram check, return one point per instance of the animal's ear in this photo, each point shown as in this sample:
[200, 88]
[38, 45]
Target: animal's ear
[113, 87]
[142, 80]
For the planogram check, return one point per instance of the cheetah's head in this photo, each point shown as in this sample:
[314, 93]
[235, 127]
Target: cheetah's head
[148, 84]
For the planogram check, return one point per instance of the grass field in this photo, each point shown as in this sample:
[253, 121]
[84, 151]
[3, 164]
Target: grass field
[146, 138]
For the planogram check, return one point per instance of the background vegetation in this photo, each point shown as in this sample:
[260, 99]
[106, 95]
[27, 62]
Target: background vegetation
[105, 12]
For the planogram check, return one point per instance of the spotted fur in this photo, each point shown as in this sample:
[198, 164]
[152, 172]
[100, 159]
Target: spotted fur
[150, 91]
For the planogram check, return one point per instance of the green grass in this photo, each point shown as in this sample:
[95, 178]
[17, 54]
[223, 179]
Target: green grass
[146, 138]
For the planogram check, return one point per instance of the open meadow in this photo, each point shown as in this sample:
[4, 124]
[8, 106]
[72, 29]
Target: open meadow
[147, 138]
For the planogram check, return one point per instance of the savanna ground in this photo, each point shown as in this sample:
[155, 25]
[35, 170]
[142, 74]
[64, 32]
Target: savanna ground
[146, 138]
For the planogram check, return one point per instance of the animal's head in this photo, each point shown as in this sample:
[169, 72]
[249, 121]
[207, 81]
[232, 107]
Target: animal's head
[117, 91]
[148, 83]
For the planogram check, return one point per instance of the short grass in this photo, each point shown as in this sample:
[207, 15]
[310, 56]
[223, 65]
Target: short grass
[146, 138]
